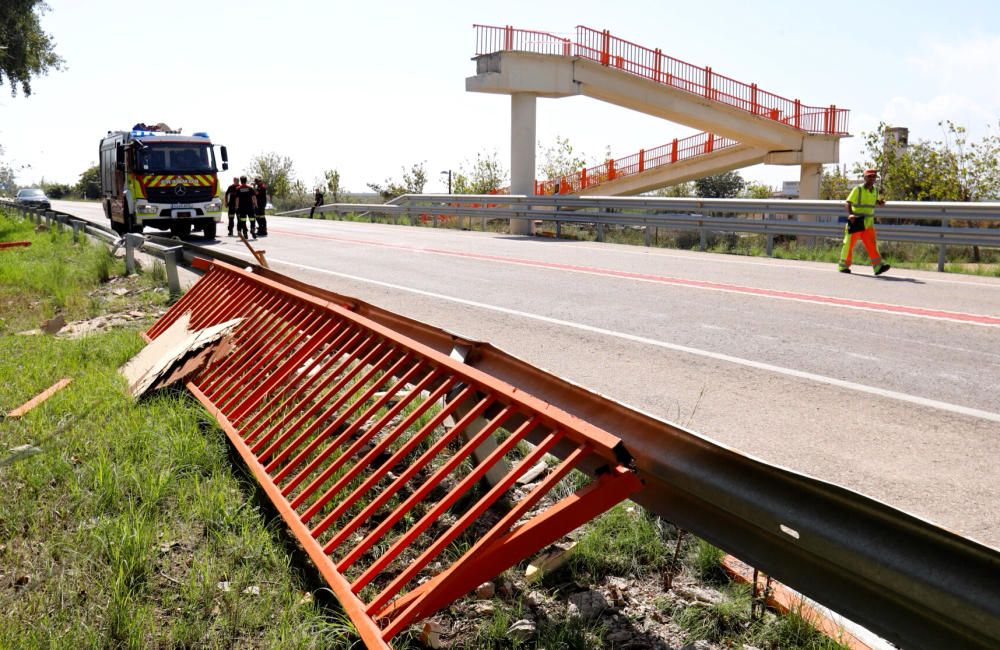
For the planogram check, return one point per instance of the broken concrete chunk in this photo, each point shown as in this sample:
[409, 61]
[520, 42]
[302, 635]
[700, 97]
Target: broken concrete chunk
[171, 347]
[54, 324]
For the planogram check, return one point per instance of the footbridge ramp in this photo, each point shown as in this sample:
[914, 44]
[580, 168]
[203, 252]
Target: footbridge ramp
[743, 124]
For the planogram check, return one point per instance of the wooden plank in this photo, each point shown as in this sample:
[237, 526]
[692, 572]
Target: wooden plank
[41, 397]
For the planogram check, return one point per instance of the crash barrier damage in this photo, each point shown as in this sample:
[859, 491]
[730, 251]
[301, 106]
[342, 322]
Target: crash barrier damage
[396, 466]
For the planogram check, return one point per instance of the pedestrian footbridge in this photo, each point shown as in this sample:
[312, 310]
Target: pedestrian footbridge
[743, 125]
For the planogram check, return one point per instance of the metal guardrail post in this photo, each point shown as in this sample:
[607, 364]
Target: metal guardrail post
[171, 257]
[132, 241]
[942, 248]
[558, 229]
[48, 216]
[60, 221]
[600, 232]
[770, 245]
[77, 227]
[702, 236]
[646, 234]
[484, 224]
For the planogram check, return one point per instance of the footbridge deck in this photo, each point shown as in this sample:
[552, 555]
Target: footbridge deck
[743, 124]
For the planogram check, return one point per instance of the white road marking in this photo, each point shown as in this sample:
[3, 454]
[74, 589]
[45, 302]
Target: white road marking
[789, 372]
[863, 357]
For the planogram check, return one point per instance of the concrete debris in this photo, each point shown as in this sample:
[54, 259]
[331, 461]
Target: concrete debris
[588, 605]
[430, 634]
[697, 594]
[171, 348]
[533, 474]
[54, 324]
[548, 562]
[521, 630]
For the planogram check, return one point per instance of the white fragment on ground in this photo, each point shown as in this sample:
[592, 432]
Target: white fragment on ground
[430, 635]
[521, 630]
[534, 473]
[548, 562]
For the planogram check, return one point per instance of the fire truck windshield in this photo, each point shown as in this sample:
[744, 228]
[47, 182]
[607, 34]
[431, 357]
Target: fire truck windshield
[180, 157]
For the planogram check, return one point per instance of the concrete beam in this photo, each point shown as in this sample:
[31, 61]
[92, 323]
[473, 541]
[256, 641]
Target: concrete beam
[540, 74]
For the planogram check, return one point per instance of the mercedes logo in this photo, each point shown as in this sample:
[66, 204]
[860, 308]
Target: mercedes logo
[179, 190]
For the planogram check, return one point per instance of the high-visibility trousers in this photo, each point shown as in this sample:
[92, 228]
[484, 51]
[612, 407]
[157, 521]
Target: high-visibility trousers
[867, 237]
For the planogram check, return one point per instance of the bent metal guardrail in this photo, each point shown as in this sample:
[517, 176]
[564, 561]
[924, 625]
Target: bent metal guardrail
[366, 441]
[607, 50]
[912, 582]
[938, 223]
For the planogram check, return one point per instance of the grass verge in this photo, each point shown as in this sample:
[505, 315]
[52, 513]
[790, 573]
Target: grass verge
[131, 528]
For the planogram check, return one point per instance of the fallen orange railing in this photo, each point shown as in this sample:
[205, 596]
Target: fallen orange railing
[374, 448]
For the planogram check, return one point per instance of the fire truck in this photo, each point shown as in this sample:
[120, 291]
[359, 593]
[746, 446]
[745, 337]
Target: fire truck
[161, 179]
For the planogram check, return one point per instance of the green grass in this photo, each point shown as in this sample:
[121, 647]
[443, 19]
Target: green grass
[730, 622]
[131, 528]
[625, 541]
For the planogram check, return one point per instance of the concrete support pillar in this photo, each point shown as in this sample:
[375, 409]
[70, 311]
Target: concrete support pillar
[522, 153]
[810, 175]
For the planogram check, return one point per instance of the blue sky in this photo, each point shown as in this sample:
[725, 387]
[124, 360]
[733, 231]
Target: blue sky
[370, 87]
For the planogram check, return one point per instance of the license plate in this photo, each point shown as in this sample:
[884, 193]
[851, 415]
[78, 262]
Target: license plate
[182, 206]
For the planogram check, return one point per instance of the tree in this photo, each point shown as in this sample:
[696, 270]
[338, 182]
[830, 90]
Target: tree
[332, 177]
[952, 169]
[754, 190]
[726, 185]
[89, 185]
[560, 159]
[678, 191]
[55, 190]
[277, 171]
[25, 50]
[483, 176]
[413, 182]
[834, 186]
[8, 185]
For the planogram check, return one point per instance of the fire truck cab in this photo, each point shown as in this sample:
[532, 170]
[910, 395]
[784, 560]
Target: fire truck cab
[161, 179]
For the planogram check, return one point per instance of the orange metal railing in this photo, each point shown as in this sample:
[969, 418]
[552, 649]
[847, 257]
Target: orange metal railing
[653, 64]
[373, 447]
[644, 160]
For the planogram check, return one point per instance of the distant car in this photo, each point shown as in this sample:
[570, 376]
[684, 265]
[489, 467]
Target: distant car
[32, 197]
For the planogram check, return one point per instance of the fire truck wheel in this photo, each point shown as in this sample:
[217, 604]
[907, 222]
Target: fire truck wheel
[182, 229]
[130, 224]
[208, 230]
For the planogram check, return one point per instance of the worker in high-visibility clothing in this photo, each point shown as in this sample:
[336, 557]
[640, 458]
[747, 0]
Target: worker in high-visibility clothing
[861, 204]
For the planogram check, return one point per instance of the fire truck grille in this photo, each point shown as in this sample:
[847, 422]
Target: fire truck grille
[170, 195]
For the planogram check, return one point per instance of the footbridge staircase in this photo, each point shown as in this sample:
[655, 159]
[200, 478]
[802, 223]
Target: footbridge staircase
[743, 124]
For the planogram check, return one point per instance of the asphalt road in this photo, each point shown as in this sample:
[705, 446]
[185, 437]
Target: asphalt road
[889, 386]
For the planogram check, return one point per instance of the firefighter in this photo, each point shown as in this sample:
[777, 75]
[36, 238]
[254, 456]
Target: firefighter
[861, 204]
[260, 195]
[245, 204]
[230, 202]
